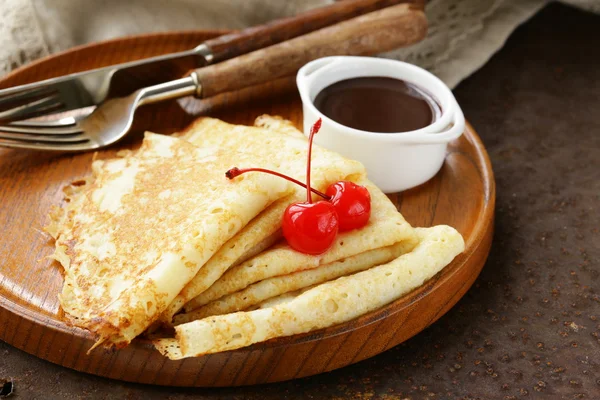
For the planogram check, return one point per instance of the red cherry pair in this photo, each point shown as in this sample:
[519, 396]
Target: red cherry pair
[311, 228]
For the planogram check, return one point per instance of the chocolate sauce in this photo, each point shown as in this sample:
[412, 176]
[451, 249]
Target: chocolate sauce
[378, 104]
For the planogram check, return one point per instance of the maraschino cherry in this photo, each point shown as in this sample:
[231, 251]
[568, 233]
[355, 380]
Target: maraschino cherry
[352, 203]
[311, 228]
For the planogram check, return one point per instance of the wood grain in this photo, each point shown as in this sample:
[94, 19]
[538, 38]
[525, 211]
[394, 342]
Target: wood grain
[254, 38]
[368, 34]
[461, 195]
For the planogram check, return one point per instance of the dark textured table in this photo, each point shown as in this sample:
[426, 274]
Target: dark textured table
[530, 326]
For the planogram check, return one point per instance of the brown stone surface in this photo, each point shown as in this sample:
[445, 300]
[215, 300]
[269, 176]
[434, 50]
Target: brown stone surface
[530, 327]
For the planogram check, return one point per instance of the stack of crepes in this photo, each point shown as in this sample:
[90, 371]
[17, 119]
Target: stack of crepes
[160, 236]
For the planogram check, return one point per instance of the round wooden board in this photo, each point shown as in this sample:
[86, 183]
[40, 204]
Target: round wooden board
[461, 195]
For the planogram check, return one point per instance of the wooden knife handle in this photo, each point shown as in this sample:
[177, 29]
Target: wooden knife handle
[254, 38]
[372, 33]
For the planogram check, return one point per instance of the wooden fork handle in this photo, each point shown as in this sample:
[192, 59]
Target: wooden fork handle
[254, 38]
[372, 33]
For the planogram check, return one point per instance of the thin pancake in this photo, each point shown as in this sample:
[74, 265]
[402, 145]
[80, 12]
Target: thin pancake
[260, 233]
[324, 305]
[277, 124]
[143, 225]
[282, 298]
[385, 228]
[272, 287]
[288, 150]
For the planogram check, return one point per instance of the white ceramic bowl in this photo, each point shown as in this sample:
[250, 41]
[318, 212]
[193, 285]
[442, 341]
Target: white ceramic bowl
[394, 161]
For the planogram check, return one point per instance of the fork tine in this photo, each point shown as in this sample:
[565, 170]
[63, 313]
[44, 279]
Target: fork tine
[42, 129]
[17, 144]
[32, 137]
[33, 109]
[62, 122]
[63, 126]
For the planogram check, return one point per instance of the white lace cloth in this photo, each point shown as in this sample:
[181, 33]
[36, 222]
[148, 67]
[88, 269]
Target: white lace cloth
[463, 34]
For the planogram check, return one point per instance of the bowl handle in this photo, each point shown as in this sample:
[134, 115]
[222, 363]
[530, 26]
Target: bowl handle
[307, 74]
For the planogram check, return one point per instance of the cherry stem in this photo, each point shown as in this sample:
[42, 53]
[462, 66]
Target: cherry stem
[313, 131]
[235, 171]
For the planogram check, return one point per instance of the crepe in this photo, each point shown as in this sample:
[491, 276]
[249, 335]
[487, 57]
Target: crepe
[135, 233]
[276, 286]
[386, 227]
[286, 148]
[282, 298]
[259, 234]
[324, 305]
[277, 124]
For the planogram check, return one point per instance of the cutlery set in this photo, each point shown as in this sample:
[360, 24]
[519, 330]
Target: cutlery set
[32, 116]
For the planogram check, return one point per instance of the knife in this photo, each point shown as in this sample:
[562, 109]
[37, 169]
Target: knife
[90, 88]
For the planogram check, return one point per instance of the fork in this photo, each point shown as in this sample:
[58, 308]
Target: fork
[375, 32]
[90, 88]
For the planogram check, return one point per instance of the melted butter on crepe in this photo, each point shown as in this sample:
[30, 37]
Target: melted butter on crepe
[324, 305]
[142, 226]
[281, 143]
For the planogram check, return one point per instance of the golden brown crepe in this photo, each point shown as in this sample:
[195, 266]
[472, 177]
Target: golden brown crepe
[386, 227]
[143, 225]
[272, 287]
[160, 228]
[322, 306]
[286, 148]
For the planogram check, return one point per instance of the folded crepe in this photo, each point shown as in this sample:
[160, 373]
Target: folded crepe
[285, 147]
[386, 227]
[324, 305]
[264, 290]
[136, 232]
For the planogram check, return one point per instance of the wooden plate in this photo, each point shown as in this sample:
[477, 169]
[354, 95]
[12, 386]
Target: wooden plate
[461, 195]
